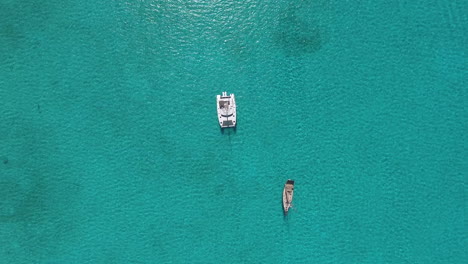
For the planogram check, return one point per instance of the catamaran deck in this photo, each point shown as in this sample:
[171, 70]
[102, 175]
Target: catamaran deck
[226, 106]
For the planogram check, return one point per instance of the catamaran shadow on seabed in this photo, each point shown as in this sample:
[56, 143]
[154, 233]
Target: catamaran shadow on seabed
[228, 131]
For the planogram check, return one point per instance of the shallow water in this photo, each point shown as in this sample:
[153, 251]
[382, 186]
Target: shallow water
[111, 151]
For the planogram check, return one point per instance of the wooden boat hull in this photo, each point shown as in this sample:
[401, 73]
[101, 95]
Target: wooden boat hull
[288, 193]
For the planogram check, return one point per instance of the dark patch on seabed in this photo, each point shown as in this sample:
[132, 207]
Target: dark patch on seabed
[296, 37]
[34, 199]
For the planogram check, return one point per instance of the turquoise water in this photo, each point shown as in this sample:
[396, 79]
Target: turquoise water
[111, 151]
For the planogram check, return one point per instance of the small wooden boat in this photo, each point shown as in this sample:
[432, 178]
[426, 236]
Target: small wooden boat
[288, 195]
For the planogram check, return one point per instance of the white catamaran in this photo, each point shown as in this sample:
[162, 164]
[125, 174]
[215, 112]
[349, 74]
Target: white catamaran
[226, 110]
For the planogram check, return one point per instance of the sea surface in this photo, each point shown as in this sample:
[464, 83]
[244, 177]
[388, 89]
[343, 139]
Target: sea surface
[110, 150]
